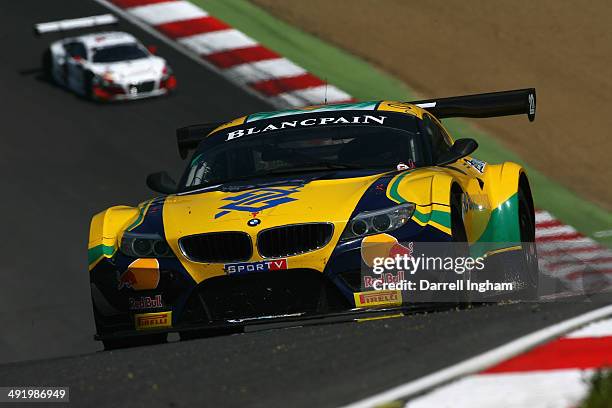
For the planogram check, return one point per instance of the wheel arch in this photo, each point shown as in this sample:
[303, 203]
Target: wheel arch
[502, 184]
[104, 231]
[525, 187]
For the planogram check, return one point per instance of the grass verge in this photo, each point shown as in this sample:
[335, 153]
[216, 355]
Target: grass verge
[600, 394]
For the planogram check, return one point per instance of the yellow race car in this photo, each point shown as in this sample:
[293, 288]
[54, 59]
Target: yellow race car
[280, 216]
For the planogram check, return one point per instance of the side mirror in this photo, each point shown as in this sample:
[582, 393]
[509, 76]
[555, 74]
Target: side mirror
[459, 149]
[152, 49]
[161, 182]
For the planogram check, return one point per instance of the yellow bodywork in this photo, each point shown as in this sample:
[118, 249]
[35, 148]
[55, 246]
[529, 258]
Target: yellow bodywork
[104, 231]
[320, 201]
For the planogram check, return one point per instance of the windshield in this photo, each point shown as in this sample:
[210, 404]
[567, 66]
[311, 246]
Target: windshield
[116, 53]
[299, 151]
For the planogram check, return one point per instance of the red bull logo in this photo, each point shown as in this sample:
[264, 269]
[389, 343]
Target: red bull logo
[142, 274]
[369, 281]
[127, 280]
[401, 250]
[383, 246]
[146, 302]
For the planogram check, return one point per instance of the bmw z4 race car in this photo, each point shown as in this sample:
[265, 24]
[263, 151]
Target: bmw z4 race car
[276, 213]
[104, 66]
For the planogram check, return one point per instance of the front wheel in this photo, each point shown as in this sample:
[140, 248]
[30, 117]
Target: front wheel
[521, 267]
[529, 273]
[88, 84]
[47, 66]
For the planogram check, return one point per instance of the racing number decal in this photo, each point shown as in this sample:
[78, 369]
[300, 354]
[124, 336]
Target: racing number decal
[257, 200]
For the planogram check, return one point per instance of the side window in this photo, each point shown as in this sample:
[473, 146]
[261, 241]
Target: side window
[76, 50]
[440, 141]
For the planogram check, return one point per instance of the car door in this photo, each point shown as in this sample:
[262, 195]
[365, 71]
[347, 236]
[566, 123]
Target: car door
[76, 55]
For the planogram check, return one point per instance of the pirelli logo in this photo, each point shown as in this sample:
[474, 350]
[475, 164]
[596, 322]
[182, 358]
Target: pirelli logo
[146, 321]
[378, 298]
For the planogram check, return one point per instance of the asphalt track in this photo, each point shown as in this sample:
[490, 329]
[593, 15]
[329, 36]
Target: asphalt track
[63, 159]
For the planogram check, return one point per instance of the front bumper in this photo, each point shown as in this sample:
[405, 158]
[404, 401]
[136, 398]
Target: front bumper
[120, 299]
[273, 322]
[133, 91]
[101, 96]
[317, 286]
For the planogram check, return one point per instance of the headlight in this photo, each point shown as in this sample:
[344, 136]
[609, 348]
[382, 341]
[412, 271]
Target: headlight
[145, 246]
[379, 221]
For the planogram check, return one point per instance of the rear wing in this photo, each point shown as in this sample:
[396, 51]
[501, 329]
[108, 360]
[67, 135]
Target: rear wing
[487, 105]
[74, 24]
[188, 137]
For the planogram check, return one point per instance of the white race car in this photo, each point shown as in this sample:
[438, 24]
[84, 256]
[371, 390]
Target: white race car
[104, 66]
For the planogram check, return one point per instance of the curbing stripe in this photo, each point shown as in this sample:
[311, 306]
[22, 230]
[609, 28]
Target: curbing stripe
[135, 3]
[186, 28]
[554, 231]
[265, 70]
[543, 217]
[560, 388]
[549, 224]
[313, 96]
[602, 328]
[553, 374]
[228, 59]
[586, 251]
[274, 87]
[594, 272]
[161, 13]
[581, 353]
[569, 236]
[595, 260]
[477, 364]
[240, 58]
[217, 41]
[578, 245]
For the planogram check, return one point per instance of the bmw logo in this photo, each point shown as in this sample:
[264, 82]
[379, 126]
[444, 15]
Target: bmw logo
[254, 222]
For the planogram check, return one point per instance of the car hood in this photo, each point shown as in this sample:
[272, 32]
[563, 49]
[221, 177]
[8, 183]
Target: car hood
[279, 204]
[128, 70]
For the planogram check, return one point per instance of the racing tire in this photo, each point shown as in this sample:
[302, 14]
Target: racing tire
[47, 66]
[457, 226]
[88, 85]
[521, 266]
[529, 273]
[136, 341]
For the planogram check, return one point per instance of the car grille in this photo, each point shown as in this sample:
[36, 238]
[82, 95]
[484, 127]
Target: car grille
[146, 86]
[293, 239]
[217, 247]
[274, 293]
[353, 279]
